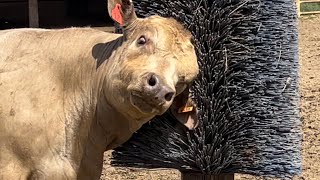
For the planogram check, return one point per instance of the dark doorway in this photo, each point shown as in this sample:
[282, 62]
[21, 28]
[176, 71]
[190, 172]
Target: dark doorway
[77, 8]
[56, 13]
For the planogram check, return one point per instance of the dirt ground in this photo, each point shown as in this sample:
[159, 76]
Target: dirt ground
[309, 31]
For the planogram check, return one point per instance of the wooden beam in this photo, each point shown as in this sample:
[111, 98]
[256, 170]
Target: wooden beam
[196, 176]
[33, 14]
[309, 1]
[311, 12]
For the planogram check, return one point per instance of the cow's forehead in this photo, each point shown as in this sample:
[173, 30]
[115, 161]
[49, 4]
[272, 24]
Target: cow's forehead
[166, 26]
[167, 32]
[169, 24]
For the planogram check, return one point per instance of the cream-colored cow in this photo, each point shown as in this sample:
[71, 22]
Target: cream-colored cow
[68, 95]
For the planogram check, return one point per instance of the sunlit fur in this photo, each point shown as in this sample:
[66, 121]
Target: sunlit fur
[59, 110]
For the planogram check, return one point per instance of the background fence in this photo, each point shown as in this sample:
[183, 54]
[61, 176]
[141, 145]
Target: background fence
[308, 7]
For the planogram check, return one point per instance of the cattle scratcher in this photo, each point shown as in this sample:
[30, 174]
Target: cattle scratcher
[247, 94]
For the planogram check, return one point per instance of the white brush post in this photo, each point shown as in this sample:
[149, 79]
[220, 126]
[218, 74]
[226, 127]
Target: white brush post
[33, 14]
[199, 176]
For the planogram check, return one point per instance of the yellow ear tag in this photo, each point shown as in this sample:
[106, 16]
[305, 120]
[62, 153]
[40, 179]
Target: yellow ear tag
[185, 109]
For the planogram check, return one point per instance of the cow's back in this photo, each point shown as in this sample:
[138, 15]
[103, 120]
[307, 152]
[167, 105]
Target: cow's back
[39, 70]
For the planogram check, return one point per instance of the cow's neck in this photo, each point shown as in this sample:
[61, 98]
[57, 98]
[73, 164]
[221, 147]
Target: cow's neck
[108, 128]
[100, 135]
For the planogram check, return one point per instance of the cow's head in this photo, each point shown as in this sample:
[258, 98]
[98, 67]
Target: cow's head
[156, 65]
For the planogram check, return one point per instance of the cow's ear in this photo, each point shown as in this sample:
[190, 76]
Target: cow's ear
[185, 110]
[122, 11]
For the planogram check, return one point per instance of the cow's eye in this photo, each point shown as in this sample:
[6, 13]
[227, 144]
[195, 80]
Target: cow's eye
[142, 40]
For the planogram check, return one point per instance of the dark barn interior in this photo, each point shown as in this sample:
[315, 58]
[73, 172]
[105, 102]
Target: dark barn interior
[55, 13]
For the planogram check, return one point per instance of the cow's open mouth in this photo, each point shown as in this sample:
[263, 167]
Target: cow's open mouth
[145, 106]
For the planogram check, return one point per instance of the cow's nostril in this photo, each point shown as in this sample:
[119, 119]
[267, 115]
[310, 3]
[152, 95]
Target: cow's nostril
[169, 96]
[152, 81]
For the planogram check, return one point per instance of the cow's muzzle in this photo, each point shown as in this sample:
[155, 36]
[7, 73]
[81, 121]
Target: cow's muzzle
[154, 95]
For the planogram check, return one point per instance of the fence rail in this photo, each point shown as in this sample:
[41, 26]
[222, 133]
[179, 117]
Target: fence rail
[299, 2]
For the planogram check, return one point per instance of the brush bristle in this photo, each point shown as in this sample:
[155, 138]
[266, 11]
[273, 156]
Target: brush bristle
[247, 92]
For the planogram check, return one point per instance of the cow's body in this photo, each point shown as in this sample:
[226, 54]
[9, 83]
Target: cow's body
[68, 95]
[49, 84]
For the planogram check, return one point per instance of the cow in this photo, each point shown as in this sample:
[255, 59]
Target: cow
[68, 95]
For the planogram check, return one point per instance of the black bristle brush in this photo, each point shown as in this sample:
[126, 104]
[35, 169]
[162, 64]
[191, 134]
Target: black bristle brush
[246, 93]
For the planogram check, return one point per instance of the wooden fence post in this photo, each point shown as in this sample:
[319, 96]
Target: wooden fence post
[33, 14]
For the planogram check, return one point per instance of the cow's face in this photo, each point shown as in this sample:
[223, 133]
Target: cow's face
[157, 63]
